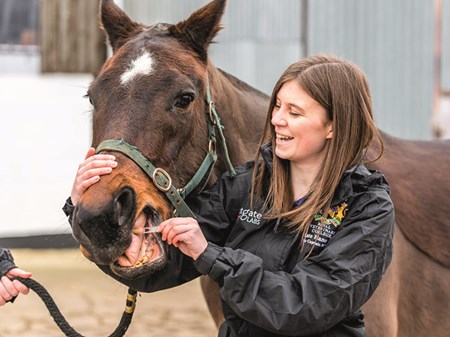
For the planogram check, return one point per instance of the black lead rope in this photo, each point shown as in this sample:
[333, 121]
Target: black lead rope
[62, 322]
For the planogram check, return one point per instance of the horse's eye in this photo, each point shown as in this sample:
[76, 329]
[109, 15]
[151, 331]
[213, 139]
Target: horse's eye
[89, 98]
[183, 101]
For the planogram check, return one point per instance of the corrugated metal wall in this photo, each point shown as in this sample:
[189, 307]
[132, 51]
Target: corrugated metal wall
[392, 41]
[446, 46]
[259, 40]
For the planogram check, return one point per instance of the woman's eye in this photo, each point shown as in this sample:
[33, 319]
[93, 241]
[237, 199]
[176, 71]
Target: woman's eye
[183, 101]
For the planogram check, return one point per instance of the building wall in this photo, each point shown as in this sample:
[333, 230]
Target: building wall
[446, 46]
[247, 47]
[392, 41]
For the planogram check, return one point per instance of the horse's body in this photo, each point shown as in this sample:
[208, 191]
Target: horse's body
[151, 93]
[413, 298]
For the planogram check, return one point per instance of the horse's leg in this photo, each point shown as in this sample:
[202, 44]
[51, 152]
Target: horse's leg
[212, 296]
[412, 297]
[381, 309]
[423, 305]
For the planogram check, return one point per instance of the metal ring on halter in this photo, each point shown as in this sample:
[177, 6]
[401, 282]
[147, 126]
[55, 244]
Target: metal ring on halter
[166, 175]
[211, 146]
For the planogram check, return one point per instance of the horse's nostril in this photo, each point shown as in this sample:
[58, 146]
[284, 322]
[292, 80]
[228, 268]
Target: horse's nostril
[125, 205]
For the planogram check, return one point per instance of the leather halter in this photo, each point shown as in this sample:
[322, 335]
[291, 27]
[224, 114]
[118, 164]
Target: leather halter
[161, 178]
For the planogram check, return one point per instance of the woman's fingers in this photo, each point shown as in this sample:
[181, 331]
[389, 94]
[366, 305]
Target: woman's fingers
[20, 287]
[89, 172]
[7, 289]
[166, 228]
[185, 234]
[93, 172]
[97, 162]
[176, 231]
[90, 153]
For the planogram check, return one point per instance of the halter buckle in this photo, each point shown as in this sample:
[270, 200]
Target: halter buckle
[167, 184]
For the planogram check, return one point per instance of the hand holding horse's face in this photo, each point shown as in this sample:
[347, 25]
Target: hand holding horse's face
[185, 234]
[89, 172]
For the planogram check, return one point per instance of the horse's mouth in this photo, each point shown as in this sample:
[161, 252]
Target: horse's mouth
[147, 252]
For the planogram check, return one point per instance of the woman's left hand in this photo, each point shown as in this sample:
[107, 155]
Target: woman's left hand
[185, 234]
[10, 289]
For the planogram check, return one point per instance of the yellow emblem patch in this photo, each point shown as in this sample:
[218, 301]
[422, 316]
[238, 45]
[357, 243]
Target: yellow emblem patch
[335, 215]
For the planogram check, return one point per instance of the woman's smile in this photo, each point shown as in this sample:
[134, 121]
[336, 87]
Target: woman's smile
[301, 126]
[283, 138]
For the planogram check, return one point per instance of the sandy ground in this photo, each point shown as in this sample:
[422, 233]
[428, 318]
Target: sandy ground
[93, 303]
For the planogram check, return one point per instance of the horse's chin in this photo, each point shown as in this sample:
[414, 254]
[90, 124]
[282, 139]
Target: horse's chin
[141, 269]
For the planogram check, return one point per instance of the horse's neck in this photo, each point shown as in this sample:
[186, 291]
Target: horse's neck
[242, 110]
[392, 149]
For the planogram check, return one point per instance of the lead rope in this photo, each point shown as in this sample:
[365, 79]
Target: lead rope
[62, 322]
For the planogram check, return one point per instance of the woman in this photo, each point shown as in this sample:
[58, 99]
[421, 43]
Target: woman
[299, 240]
[8, 270]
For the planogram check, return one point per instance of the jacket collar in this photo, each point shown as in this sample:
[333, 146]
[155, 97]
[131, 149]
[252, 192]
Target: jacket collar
[355, 177]
[266, 151]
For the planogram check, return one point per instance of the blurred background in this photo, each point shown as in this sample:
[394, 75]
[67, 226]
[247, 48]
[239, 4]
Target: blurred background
[51, 49]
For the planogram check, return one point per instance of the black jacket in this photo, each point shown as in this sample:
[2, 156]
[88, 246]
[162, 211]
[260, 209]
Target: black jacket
[6, 261]
[267, 286]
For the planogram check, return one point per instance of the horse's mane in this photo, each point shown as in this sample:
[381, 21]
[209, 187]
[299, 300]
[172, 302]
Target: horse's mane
[242, 85]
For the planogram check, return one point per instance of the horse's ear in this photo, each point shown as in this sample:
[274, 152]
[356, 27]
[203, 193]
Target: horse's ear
[200, 28]
[116, 23]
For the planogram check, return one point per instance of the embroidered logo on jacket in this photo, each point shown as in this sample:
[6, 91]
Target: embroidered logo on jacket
[247, 215]
[325, 226]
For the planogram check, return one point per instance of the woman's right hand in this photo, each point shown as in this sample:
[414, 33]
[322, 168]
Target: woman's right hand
[89, 172]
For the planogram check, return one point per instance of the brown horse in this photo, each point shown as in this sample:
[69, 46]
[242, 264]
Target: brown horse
[152, 93]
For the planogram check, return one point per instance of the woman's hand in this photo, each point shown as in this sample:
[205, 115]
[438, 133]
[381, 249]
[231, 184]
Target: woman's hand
[89, 172]
[185, 234]
[10, 289]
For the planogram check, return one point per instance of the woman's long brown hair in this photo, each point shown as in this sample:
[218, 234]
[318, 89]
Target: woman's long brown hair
[342, 89]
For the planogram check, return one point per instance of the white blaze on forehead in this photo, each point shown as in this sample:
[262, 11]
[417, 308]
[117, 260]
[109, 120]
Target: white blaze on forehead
[143, 65]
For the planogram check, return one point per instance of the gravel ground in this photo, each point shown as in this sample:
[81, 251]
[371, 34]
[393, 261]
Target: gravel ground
[93, 302]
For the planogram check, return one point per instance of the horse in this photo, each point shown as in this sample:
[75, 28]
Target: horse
[157, 100]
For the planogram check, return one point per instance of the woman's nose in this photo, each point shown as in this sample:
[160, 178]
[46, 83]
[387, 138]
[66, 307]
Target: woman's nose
[278, 118]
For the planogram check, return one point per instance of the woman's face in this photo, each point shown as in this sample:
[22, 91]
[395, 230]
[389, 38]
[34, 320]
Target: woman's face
[301, 125]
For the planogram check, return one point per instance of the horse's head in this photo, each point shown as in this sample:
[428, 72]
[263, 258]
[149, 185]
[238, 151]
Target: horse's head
[150, 93]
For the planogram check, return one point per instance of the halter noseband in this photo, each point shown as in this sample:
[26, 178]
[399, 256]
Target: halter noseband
[161, 179]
